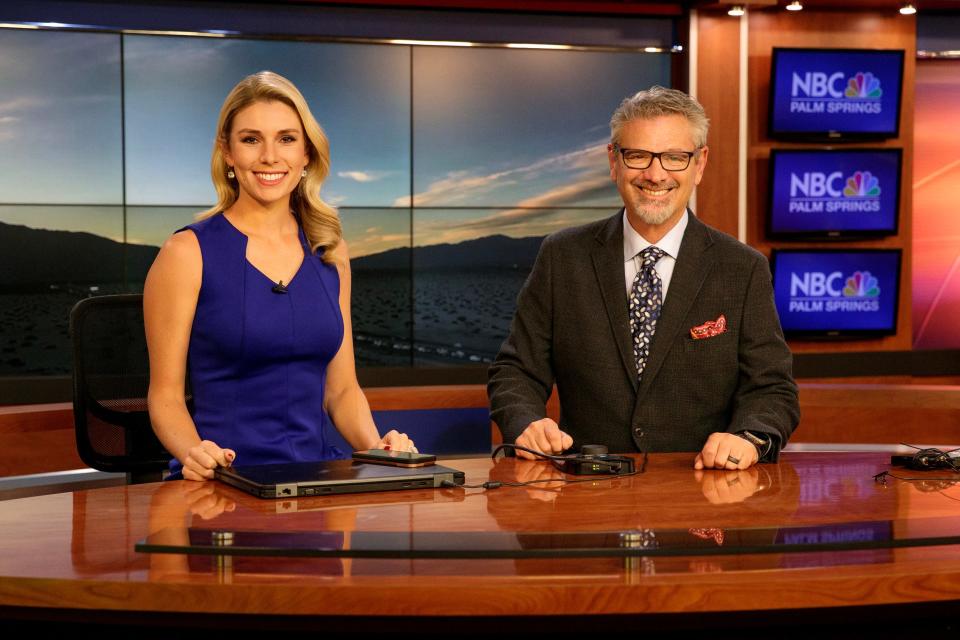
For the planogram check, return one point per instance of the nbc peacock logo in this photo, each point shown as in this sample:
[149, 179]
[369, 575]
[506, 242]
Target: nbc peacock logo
[861, 285]
[862, 184]
[864, 85]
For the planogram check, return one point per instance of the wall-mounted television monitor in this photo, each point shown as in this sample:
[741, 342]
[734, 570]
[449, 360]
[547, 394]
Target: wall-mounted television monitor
[837, 293]
[833, 193]
[835, 94]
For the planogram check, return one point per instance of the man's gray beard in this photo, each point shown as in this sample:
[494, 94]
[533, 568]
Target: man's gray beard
[653, 218]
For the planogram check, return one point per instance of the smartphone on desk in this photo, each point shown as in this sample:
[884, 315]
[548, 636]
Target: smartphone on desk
[394, 458]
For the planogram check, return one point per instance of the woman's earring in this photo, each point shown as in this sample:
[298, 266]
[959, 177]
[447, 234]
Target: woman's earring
[230, 173]
[303, 174]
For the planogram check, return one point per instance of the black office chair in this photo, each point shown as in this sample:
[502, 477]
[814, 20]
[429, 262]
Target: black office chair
[111, 374]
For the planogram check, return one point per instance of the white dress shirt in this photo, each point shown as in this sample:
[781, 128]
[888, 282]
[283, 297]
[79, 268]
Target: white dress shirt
[634, 243]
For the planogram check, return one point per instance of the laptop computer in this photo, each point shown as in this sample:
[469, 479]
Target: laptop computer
[304, 479]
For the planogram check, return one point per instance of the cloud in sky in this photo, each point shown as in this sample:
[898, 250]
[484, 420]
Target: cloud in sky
[363, 176]
[7, 133]
[580, 178]
[453, 228]
[23, 103]
[188, 54]
[521, 216]
[570, 168]
[372, 231]
[369, 243]
[30, 105]
[458, 188]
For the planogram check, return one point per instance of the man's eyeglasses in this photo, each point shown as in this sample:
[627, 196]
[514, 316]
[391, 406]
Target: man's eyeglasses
[669, 160]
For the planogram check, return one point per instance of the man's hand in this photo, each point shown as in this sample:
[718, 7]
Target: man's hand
[726, 451]
[540, 474]
[544, 436]
[728, 487]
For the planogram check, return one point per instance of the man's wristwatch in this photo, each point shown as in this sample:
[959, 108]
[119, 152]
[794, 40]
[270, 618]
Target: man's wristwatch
[762, 442]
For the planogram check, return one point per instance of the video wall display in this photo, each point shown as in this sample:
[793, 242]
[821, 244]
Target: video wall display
[840, 194]
[174, 87]
[834, 193]
[837, 293]
[439, 157]
[453, 277]
[835, 94]
[935, 260]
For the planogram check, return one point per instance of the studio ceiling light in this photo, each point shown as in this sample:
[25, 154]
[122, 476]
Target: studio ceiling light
[795, 6]
[908, 9]
[736, 11]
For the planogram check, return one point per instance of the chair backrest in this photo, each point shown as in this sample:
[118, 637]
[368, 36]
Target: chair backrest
[111, 374]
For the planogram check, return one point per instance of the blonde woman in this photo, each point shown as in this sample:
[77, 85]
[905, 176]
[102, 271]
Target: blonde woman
[254, 298]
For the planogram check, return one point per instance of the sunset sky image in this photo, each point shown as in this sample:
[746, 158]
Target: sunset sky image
[477, 141]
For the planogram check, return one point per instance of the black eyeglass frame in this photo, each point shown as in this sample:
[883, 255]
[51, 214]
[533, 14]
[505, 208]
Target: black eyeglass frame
[656, 156]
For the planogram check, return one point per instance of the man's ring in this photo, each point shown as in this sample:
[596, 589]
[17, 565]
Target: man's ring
[733, 460]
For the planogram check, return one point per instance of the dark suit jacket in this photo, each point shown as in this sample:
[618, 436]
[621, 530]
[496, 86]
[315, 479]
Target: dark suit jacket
[571, 328]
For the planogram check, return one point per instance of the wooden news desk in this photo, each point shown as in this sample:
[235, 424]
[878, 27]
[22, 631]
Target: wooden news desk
[70, 557]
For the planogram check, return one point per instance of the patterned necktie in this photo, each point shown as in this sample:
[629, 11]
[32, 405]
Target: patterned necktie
[646, 299]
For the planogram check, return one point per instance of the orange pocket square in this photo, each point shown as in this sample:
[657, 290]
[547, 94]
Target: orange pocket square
[710, 328]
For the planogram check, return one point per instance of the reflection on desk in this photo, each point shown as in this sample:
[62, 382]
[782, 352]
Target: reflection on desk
[88, 560]
[482, 545]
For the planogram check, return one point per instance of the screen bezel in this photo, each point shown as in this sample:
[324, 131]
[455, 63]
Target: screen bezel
[832, 234]
[831, 135]
[841, 334]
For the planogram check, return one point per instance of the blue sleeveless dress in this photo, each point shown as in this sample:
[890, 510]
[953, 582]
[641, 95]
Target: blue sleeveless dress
[258, 359]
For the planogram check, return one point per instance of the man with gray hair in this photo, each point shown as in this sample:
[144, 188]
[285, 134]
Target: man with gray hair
[660, 332]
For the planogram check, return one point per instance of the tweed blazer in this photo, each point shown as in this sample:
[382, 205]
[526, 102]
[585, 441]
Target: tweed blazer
[571, 328]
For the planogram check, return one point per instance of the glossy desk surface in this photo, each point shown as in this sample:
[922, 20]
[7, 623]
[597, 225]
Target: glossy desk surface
[75, 551]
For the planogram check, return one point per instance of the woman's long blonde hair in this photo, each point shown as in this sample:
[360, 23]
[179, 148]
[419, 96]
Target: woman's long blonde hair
[320, 221]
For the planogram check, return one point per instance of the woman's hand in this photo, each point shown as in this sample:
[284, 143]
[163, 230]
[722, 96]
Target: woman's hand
[202, 459]
[395, 441]
[206, 501]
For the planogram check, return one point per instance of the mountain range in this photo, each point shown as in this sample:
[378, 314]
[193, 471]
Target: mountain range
[35, 258]
[32, 259]
[488, 252]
